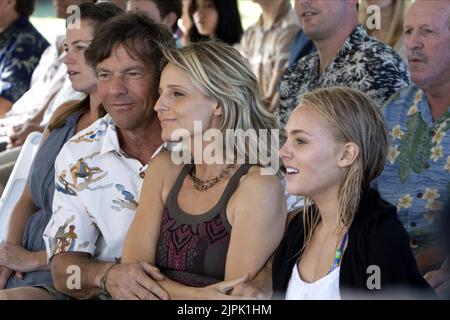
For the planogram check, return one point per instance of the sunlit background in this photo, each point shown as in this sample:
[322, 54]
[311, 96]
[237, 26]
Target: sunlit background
[44, 17]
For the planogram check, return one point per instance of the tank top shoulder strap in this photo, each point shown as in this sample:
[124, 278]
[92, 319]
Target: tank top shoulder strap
[173, 194]
[219, 208]
[232, 185]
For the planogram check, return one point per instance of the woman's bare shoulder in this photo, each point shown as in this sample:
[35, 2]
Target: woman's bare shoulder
[163, 165]
[163, 160]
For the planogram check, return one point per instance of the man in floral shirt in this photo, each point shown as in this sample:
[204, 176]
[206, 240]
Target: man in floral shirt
[416, 177]
[99, 171]
[21, 47]
[345, 56]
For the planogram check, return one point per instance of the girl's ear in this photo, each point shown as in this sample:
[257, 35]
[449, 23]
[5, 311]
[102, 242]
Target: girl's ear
[348, 154]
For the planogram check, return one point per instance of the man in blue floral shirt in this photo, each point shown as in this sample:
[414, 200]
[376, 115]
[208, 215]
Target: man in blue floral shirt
[416, 177]
[21, 47]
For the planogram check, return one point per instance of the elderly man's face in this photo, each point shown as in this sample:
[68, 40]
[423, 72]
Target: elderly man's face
[127, 88]
[427, 43]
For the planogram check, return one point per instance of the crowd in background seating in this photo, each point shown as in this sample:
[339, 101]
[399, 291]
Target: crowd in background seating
[363, 115]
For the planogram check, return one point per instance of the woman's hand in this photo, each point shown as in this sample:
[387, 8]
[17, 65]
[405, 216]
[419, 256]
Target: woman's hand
[5, 273]
[17, 258]
[220, 290]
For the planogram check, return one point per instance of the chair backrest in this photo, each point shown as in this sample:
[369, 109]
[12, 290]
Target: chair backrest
[17, 180]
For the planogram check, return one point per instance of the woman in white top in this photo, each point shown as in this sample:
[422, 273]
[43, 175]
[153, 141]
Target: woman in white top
[347, 242]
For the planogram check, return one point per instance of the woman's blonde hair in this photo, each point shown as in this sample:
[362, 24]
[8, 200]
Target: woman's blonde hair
[223, 74]
[351, 116]
[395, 31]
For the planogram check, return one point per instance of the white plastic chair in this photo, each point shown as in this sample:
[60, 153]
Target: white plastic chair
[17, 180]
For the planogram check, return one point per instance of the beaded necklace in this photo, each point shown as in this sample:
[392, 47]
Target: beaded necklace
[202, 185]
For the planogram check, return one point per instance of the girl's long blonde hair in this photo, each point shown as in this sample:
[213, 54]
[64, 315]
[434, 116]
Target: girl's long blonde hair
[352, 116]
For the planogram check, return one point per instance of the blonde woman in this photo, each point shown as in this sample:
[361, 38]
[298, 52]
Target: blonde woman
[392, 14]
[347, 242]
[202, 223]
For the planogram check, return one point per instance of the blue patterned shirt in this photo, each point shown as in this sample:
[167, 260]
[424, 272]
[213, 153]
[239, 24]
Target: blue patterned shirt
[362, 63]
[416, 177]
[21, 47]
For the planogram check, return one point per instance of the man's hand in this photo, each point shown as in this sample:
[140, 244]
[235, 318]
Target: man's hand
[17, 258]
[135, 281]
[21, 132]
[443, 290]
[439, 280]
[437, 277]
[429, 259]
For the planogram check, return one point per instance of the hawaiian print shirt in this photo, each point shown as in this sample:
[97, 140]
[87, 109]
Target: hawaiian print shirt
[362, 63]
[416, 177]
[97, 193]
[21, 47]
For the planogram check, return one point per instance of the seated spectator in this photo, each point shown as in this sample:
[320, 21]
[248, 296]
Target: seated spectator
[440, 279]
[417, 171]
[50, 88]
[215, 19]
[184, 24]
[24, 250]
[162, 11]
[267, 45]
[392, 15]
[345, 228]
[47, 80]
[21, 47]
[99, 172]
[345, 56]
[197, 222]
